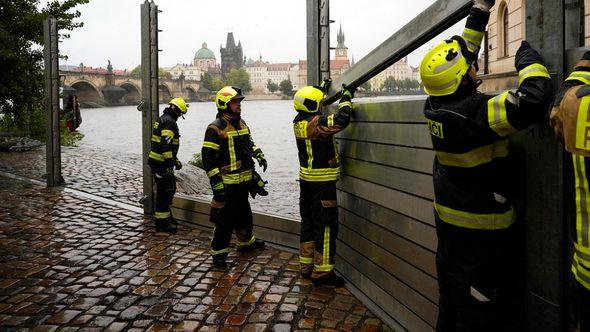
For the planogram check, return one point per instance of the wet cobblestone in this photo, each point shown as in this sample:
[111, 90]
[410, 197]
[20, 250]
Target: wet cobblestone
[71, 263]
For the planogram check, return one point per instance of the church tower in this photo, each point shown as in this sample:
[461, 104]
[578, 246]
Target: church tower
[231, 55]
[341, 49]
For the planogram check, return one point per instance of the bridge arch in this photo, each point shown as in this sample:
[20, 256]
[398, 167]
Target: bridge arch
[87, 92]
[133, 95]
[191, 94]
[165, 93]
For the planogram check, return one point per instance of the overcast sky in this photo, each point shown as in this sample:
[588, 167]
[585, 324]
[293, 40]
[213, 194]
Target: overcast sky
[271, 28]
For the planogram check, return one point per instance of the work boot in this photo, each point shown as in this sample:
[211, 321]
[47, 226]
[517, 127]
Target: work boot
[257, 244]
[163, 225]
[173, 221]
[219, 260]
[305, 275]
[331, 280]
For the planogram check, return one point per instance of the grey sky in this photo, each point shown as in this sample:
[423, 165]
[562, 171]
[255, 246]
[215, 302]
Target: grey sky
[275, 29]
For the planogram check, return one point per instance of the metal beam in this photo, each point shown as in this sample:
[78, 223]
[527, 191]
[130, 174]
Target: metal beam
[324, 27]
[313, 45]
[52, 133]
[431, 22]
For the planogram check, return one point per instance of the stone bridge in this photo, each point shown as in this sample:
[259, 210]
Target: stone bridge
[95, 89]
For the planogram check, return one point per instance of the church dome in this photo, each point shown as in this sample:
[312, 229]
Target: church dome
[204, 53]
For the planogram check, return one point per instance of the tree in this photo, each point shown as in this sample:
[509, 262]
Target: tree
[161, 72]
[271, 86]
[21, 60]
[239, 78]
[286, 87]
[390, 84]
[366, 86]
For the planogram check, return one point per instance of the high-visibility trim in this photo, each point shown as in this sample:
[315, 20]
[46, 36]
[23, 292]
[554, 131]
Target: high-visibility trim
[483, 221]
[582, 124]
[213, 172]
[473, 38]
[218, 186]
[583, 252]
[306, 260]
[217, 252]
[582, 76]
[156, 124]
[309, 150]
[167, 132]
[534, 70]
[167, 155]
[345, 104]
[247, 243]
[497, 116]
[156, 156]
[336, 154]
[232, 153]
[156, 138]
[582, 274]
[330, 120]
[162, 215]
[319, 174]
[237, 178]
[300, 129]
[476, 157]
[326, 251]
[211, 145]
[323, 268]
[176, 141]
[582, 202]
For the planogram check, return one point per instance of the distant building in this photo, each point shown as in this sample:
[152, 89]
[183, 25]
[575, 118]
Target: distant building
[204, 58]
[258, 75]
[204, 61]
[232, 56]
[262, 71]
[400, 70]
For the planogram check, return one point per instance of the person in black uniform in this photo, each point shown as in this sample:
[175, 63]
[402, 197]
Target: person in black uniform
[228, 152]
[473, 214]
[162, 160]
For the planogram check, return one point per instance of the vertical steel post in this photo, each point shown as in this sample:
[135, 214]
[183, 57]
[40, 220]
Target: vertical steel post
[313, 44]
[149, 88]
[324, 28]
[541, 202]
[52, 134]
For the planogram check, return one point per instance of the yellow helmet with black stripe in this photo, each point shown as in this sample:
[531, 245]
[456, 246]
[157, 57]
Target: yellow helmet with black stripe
[444, 66]
[308, 99]
[180, 103]
[225, 95]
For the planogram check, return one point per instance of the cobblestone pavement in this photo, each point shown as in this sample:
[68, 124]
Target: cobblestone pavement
[72, 263]
[118, 177]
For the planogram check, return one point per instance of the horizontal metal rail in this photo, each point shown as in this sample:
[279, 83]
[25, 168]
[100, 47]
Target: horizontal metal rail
[431, 22]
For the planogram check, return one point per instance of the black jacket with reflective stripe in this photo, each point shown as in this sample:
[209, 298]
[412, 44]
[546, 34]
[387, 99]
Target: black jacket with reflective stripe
[165, 142]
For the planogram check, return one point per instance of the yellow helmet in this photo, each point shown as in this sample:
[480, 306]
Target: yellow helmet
[180, 103]
[308, 99]
[226, 94]
[444, 66]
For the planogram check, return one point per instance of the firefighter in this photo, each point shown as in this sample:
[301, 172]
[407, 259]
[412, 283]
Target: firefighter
[162, 159]
[319, 169]
[569, 118]
[472, 209]
[228, 153]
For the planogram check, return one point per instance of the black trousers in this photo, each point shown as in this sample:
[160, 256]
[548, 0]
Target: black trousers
[477, 278]
[236, 216]
[319, 227]
[165, 190]
[579, 305]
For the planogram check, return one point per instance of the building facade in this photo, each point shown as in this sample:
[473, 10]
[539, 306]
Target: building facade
[232, 55]
[203, 61]
[400, 70]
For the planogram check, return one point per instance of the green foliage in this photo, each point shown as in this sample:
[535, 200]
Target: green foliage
[68, 138]
[366, 86]
[239, 78]
[211, 83]
[286, 87]
[391, 85]
[161, 72]
[272, 86]
[197, 160]
[21, 60]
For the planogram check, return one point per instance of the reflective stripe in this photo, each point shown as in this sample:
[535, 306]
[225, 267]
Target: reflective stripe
[487, 221]
[326, 253]
[582, 274]
[210, 145]
[497, 116]
[162, 215]
[247, 243]
[344, 104]
[336, 154]
[213, 172]
[167, 155]
[582, 123]
[176, 141]
[582, 202]
[217, 252]
[476, 157]
[306, 260]
[331, 120]
[232, 153]
[473, 38]
[156, 156]
[534, 70]
[309, 153]
[167, 132]
[319, 174]
[583, 253]
[218, 186]
[582, 76]
[323, 268]
[156, 138]
[237, 178]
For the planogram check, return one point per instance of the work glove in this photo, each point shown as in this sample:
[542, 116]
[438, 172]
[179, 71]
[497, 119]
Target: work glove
[526, 56]
[178, 165]
[347, 93]
[325, 85]
[262, 163]
[168, 173]
[216, 215]
[586, 56]
[484, 5]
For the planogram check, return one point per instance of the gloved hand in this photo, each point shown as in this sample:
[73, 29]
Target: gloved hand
[526, 56]
[168, 173]
[177, 165]
[216, 215]
[586, 56]
[262, 163]
[484, 5]
[347, 93]
[325, 85]
[219, 192]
